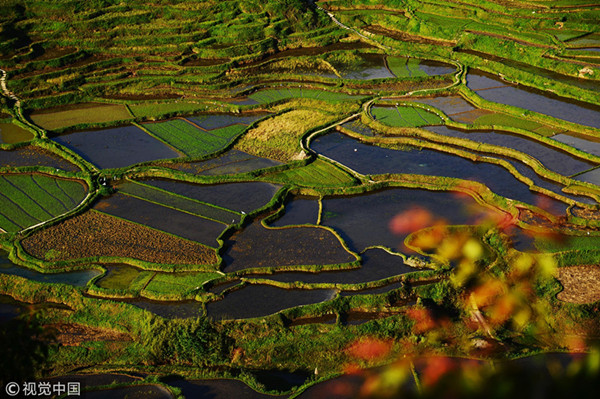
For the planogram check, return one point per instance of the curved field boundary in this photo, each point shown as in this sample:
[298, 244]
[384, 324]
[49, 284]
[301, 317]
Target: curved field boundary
[529, 160]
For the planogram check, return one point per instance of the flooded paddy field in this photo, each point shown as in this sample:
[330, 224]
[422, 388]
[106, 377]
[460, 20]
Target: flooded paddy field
[34, 156]
[370, 159]
[169, 220]
[232, 162]
[299, 211]
[218, 389]
[588, 144]
[497, 90]
[551, 157]
[169, 310]
[238, 197]
[264, 300]
[368, 219]
[116, 147]
[77, 278]
[283, 247]
[376, 265]
[371, 66]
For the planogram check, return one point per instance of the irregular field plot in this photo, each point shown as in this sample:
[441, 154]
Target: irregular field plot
[77, 278]
[117, 147]
[265, 300]
[82, 113]
[28, 199]
[299, 211]
[589, 144]
[239, 197]
[358, 127]
[317, 173]
[278, 138]
[178, 283]
[12, 134]
[551, 157]
[496, 90]
[368, 66]
[405, 67]
[162, 218]
[450, 105]
[369, 219]
[256, 246]
[195, 207]
[581, 283]
[501, 119]
[232, 162]
[376, 265]
[405, 116]
[120, 277]
[369, 159]
[94, 234]
[192, 141]
[34, 156]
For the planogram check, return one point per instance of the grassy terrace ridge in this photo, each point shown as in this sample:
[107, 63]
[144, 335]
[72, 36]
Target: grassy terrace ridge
[137, 277]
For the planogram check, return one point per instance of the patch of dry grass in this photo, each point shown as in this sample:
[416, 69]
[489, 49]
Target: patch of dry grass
[279, 137]
[95, 234]
[581, 283]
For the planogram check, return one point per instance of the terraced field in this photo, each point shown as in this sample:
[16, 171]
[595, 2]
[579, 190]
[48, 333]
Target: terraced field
[30, 199]
[247, 198]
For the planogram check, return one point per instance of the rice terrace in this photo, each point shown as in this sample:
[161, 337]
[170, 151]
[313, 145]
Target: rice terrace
[300, 198]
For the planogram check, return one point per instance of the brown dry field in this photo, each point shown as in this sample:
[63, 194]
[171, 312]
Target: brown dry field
[96, 234]
[581, 283]
[76, 334]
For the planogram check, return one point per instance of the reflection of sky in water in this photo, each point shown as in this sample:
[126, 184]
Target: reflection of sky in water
[552, 158]
[78, 278]
[364, 220]
[369, 159]
[264, 300]
[568, 110]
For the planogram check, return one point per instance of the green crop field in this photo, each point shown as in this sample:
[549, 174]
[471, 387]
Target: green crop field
[149, 110]
[192, 141]
[501, 119]
[175, 201]
[177, 283]
[405, 116]
[318, 173]
[405, 67]
[26, 200]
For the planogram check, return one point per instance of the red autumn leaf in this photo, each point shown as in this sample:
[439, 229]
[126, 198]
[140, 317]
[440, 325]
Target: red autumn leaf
[410, 220]
[422, 318]
[435, 368]
[370, 348]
